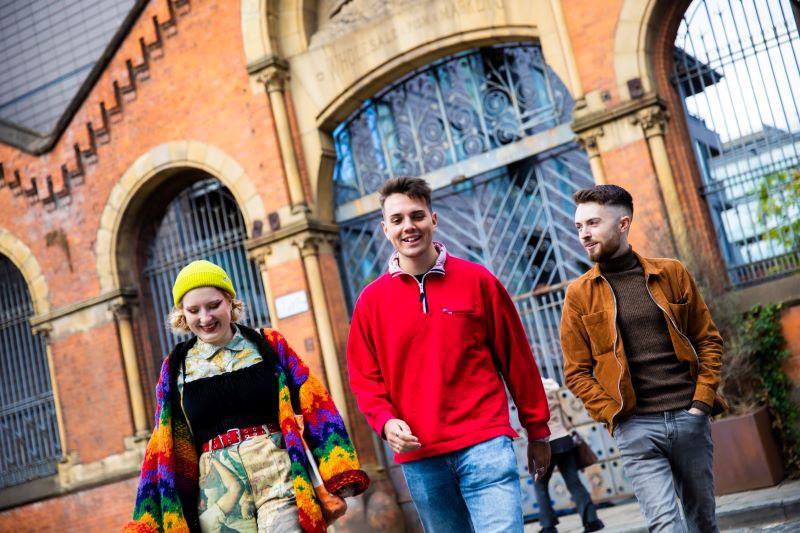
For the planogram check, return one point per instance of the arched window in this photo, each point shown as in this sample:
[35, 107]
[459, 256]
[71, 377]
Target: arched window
[489, 130]
[30, 445]
[737, 69]
[201, 222]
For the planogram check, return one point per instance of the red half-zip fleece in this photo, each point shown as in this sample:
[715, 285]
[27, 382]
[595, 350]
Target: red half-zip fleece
[440, 371]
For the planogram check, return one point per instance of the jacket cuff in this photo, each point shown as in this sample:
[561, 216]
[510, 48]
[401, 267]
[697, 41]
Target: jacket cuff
[704, 393]
[538, 432]
[136, 526]
[608, 413]
[347, 484]
[380, 421]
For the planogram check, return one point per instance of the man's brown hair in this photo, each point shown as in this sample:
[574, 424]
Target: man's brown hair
[416, 188]
[604, 195]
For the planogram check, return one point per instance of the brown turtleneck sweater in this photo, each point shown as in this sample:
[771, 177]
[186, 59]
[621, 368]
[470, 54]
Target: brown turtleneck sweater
[660, 380]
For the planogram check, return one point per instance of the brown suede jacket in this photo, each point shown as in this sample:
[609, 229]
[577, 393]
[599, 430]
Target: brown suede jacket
[595, 367]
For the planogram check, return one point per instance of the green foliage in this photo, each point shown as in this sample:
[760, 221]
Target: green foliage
[763, 340]
[779, 205]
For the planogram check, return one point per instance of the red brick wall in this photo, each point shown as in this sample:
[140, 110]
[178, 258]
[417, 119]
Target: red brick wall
[93, 393]
[630, 166]
[591, 28]
[103, 509]
[284, 279]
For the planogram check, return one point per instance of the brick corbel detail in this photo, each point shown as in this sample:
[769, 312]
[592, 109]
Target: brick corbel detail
[98, 133]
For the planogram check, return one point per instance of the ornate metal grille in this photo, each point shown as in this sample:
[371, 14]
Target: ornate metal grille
[29, 442]
[452, 110]
[202, 222]
[737, 70]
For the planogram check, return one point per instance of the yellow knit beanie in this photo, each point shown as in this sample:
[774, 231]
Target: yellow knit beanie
[201, 274]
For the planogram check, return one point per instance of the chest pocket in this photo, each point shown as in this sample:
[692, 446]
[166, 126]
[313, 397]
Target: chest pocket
[680, 312]
[601, 332]
[460, 325]
[465, 310]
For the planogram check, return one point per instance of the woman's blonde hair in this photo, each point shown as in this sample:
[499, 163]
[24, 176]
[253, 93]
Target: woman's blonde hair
[176, 320]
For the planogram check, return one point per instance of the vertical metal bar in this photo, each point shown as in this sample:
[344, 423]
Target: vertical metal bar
[512, 94]
[443, 115]
[6, 354]
[478, 81]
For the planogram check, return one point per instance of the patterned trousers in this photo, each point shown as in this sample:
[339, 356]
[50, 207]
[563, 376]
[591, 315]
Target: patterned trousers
[247, 488]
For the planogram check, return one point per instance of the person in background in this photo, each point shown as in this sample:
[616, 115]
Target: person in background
[431, 343]
[564, 456]
[201, 476]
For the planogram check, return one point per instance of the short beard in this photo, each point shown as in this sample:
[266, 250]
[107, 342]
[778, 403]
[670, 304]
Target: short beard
[606, 251]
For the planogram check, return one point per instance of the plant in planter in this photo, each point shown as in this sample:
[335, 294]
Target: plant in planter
[761, 422]
[747, 453]
[762, 331]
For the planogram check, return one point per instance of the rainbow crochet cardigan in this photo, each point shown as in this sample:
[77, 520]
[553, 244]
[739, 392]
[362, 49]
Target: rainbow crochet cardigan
[168, 487]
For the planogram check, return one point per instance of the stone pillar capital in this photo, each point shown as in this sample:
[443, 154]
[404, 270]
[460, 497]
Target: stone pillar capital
[45, 330]
[273, 77]
[315, 243]
[588, 141]
[653, 121]
[122, 309]
[260, 255]
[308, 244]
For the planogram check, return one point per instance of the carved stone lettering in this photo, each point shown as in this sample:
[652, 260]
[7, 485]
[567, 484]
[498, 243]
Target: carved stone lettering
[416, 21]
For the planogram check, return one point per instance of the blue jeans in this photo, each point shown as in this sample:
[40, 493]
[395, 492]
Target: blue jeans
[567, 465]
[668, 453]
[474, 489]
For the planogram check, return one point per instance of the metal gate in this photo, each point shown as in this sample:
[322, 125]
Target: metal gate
[29, 441]
[202, 222]
[738, 73]
[489, 130]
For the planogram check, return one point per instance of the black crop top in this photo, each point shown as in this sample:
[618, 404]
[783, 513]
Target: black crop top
[242, 398]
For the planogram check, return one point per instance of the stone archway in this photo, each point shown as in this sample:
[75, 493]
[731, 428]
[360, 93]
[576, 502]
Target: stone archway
[640, 41]
[146, 173]
[18, 253]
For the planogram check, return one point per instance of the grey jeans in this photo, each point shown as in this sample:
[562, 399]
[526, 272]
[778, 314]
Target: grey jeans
[669, 453]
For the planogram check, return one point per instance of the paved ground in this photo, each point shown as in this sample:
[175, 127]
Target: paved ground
[772, 510]
[786, 527]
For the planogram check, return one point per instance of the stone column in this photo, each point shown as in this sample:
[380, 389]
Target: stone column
[653, 121]
[122, 313]
[588, 141]
[260, 258]
[309, 251]
[274, 77]
[45, 331]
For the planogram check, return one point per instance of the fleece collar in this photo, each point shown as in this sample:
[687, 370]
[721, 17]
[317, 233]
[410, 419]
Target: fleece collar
[438, 266]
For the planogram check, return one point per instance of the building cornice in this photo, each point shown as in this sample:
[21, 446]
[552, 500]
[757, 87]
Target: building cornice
[597, 119]
[71, 309]
[304, 225]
